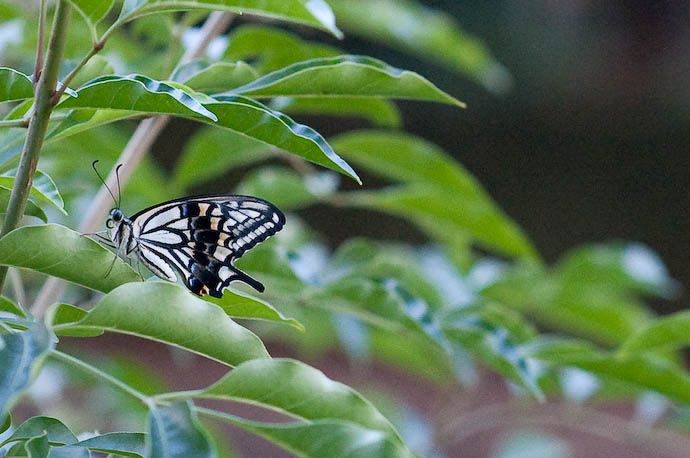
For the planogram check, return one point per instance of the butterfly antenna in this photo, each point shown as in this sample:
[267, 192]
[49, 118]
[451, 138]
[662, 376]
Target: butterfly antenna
[119, 191]
[93, 165]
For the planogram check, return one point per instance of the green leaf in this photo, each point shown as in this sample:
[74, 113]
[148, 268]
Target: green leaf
[136, 93]
[210, 152]
[92, 11]
[214, 77]
[315, 13]
[323, 438]
[271, 48]
[95, 67]
[345, 76]
[31, 208]
[237, 304]
[5, 425]
[18, 358]
[428, 33]
[61, 252]
[380, 112]
[469, 214]
[14, 85]
[304, 392]
[38, 447]
[495, 335]
[59, 314]
[123, 444]
[643, 371]
[80, 120]
[283, 187]
[169, 313]
[43, 188]
[667, 333]
[57, 432]
[7, 305]
[175, 432]
[248, 117]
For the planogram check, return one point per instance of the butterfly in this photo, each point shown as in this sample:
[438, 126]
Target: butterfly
[199, 237]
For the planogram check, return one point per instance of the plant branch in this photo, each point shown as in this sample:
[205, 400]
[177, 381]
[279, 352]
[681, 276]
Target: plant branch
[85, 367]
[40, 43]
[143, 137]
[70, 76]
[38, 124]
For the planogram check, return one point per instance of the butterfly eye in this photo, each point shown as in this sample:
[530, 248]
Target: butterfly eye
[109, 223]
[117, 215]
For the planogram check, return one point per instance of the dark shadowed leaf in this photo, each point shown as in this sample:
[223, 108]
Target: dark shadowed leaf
[175, 432]
[31, 208]
[14, 85]
[60, 314]
[121, 444]
[21, 352]
[57, 431]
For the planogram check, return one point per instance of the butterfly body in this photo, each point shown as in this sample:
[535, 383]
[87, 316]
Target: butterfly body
[197, 237]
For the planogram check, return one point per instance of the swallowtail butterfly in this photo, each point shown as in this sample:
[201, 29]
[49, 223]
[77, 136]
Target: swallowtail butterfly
[199, 237]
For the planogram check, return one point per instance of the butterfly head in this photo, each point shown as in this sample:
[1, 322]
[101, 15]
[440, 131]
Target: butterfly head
[115, 219]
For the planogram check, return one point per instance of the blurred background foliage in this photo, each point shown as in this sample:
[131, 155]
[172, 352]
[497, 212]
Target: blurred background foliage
[450, 309]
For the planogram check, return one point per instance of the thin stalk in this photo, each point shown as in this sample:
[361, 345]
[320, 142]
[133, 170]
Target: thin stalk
[70, 76]
[143, 137]
[7, 123]
[38, 124]
[40, 43]
[85, 367]
[174, 396]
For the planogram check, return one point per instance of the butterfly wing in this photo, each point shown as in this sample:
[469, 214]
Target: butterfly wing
[200, 237]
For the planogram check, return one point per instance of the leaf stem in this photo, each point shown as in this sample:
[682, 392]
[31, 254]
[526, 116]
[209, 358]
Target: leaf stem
[79, 364]
[70, 76]
[7, 123]
[38, 124]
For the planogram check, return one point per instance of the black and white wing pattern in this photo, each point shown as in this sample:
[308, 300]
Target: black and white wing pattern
[200, 237]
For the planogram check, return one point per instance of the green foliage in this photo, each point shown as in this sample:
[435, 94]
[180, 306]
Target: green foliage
[433, 310]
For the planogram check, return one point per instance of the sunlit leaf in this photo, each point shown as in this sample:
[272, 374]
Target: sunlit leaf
[248, 117]
[345, 76]
[38, 446]
[61, 252]
[642, 371]
[315, 13]
[240, 305]
[214, 77]
[210, 152]
[14, 85]
[92, 11]
[378, 111]
[21, 352]
[429, 33]
[169, 313]
[175, 432]
[43, 188]
[471, 214]
[136, 93]
[271, 48]
[304, 392]
[670, 332]
[323, 438]
[31, 208]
